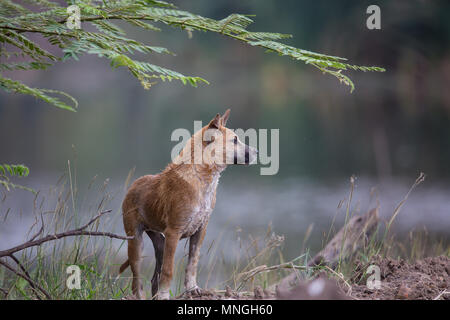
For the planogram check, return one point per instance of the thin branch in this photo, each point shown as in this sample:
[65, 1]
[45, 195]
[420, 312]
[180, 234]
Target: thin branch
[71, 233]
[445, 292]
[170, 20]
[27, 278]
[17, 261]
[4, 291]
[263, 268]
[341, 276]
[32, 243]
[40, 230]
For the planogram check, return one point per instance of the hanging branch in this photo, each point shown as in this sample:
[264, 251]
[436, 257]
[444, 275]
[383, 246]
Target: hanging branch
[109, 41]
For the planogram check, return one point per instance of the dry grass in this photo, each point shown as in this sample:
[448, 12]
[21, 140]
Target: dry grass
[259, 261]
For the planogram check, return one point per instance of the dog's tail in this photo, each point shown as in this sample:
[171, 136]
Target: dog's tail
[125, 265]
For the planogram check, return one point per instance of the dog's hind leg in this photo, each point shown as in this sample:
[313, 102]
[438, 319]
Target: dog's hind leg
[135, 247]
[195, 243]
[170, 246]
[158, 244]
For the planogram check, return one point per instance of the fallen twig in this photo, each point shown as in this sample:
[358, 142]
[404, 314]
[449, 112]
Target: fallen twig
[263, 268]
[26, 273]
[71, 233]
[4, 291]
[36, 242]
[340, 276]
[441, 294]
[27, 278]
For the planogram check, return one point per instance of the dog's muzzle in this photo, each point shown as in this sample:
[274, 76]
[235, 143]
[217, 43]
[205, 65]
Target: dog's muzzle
[249, 156]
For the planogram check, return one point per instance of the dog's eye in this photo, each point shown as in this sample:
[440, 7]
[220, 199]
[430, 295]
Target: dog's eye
[235, 140]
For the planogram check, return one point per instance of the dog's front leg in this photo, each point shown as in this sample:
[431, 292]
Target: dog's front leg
[170, 246]
[195, 243]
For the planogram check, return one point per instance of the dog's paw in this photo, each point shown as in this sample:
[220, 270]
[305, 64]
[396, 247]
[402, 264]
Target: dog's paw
[162, 296]
[134, 297]
[197, 292]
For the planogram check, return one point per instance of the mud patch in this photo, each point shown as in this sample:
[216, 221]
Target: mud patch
[424, 279]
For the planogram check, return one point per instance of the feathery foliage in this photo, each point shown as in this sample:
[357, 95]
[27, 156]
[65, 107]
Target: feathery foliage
[50, 19]
[13, 170]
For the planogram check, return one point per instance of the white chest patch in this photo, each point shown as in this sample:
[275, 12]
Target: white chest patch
[200, 214]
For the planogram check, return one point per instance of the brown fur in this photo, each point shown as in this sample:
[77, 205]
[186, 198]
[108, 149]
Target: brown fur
[171, 205]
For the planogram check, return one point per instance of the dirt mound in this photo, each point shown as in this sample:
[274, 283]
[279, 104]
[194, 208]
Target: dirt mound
[424, 279]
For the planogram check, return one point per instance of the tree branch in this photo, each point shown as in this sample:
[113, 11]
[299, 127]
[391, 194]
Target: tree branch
[71, 233]
[32, 243]
[27, 278]
[4, 291]
[27, 274]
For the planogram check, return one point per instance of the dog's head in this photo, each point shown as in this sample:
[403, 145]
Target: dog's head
[222, 145]
[218, 145]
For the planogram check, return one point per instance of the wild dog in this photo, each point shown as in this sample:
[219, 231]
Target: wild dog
[177, 204]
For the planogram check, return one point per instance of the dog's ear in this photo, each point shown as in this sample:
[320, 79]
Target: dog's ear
[215, 123]
[225, 117]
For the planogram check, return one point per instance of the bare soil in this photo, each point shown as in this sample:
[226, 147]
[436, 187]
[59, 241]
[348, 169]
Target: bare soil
[424, 279]
[428, 278]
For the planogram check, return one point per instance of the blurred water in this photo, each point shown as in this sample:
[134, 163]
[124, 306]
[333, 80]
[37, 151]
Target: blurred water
[245, 211]
[246, 208]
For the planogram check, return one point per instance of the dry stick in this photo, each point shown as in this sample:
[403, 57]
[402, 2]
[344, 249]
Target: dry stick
[24, 276]
[71, 233]
[250, 274]
[32, 243]
[26, 273]
[4, 291]
[445, 292]
[340, 276]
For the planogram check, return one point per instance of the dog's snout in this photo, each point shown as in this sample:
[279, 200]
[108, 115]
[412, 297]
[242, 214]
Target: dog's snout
[247, 155]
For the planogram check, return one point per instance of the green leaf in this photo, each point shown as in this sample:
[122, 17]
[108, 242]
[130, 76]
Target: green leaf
[18, 170]
[18, 87]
